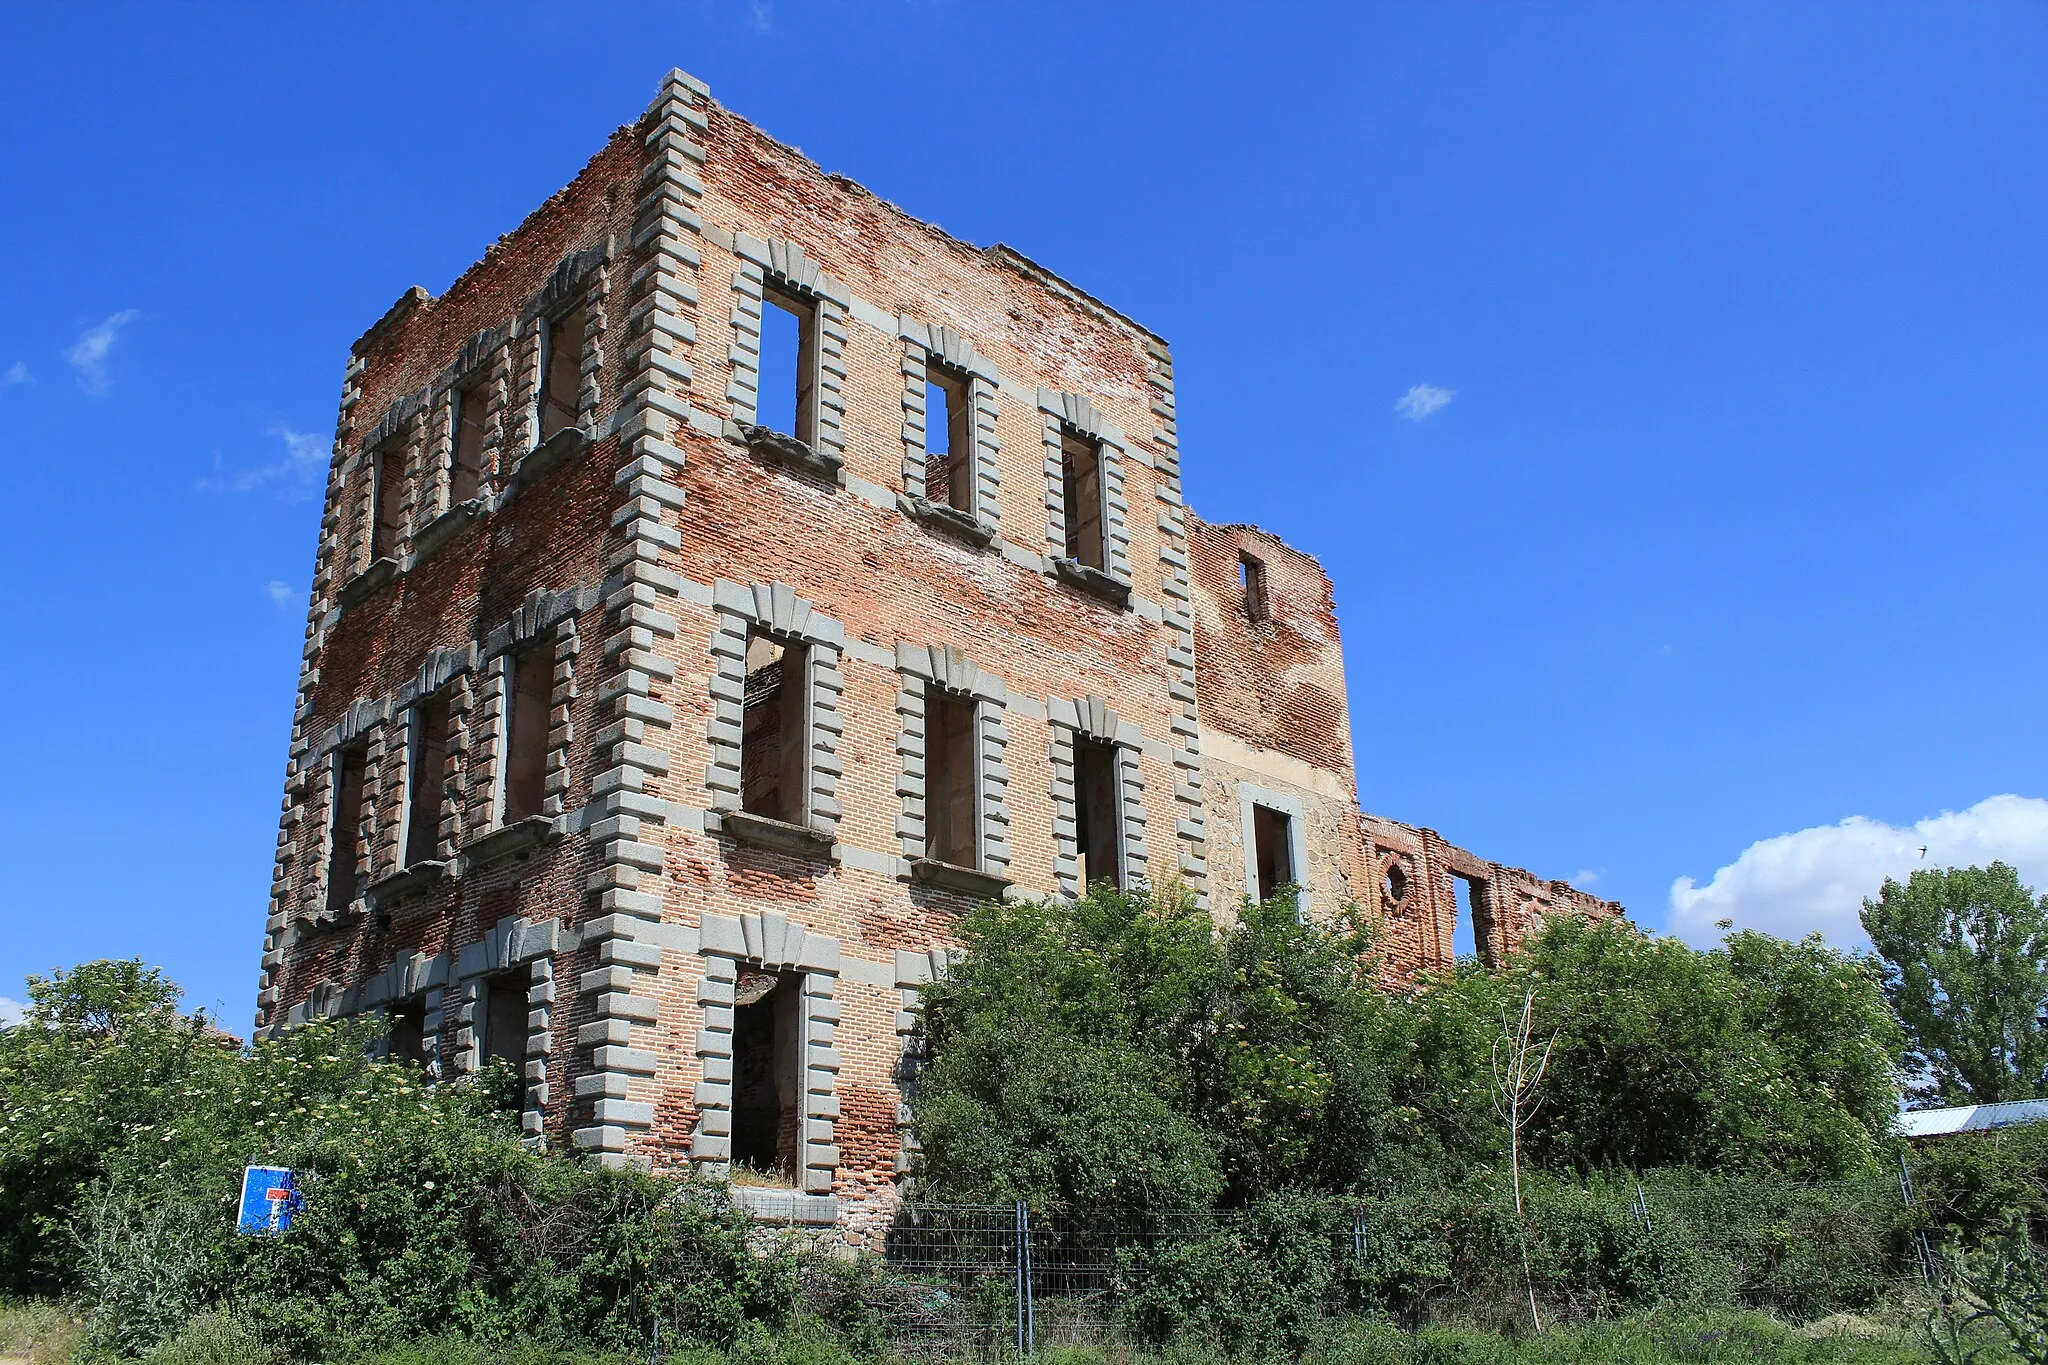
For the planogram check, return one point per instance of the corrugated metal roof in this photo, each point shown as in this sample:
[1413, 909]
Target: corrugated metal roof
[1968, 1118]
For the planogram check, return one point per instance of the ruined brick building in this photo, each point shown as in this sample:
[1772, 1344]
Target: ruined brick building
[722, 586]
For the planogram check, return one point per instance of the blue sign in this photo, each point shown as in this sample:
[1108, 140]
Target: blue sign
[270, 1198]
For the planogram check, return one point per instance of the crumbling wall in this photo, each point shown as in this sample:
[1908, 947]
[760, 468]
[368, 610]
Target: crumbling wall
[1414, 897]
[1276, 728]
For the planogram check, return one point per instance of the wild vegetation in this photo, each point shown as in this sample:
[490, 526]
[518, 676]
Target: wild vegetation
[1333, 1149]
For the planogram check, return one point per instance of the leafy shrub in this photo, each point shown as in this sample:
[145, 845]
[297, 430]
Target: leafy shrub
[425, 1213]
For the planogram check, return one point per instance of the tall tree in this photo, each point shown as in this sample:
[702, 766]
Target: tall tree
[1966, 969]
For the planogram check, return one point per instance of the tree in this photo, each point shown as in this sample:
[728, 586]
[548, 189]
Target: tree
[1762, 1055]
[1122, 1049]
[1965, 954]
[101, 1051]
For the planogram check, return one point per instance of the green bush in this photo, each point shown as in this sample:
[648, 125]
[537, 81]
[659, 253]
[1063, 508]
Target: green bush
[1121, 1049]
[425, 1215]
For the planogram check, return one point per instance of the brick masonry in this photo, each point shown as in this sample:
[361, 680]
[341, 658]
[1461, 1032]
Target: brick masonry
[632, 555]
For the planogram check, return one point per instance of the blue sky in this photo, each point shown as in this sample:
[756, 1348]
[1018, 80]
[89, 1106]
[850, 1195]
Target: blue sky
[1661, 384]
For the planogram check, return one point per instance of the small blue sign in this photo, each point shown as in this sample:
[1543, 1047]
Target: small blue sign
[270, 1199]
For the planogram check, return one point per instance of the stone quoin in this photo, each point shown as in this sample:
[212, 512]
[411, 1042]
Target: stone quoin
[723, 586]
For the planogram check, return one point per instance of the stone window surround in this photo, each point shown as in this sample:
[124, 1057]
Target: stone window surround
[946, 667]
[914, 971]
[848, 307]
[400, 427]
[786, 268]
[544, 618]
[1090, 717]
[1071, 414]
[464, 736]
[927, 346]
[542, 612]
[580, 278]
[495, 352]
[483, 365]
[512, 943]
[444, 668]
[1250, 795]
[411, 976]
[362, 720]
[776, 610]
[777, 944]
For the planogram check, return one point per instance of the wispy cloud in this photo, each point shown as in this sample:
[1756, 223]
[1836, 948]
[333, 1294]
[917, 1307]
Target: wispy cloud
[1423, 400]
[17, 373]
[89, 354]
[1586, 876]
[1814, 880]
[281, 594]
[11, 1012]
[764, 19]
[298, 471]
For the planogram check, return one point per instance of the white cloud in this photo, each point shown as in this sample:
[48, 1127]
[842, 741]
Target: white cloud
[17, 373]
[89, 354]
[280, 594]
[10, 1012]
[304, 462]
[764, 19]
[1814, 880]
[1422, 400]
[1585, 877]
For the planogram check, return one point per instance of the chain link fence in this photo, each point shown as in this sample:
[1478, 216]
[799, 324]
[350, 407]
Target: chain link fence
[958, 1280]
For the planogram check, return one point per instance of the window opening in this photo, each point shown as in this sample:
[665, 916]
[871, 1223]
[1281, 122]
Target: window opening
[1272, 850]
[526, 733]
[503, 1012]
[774, 746]
[1394, 885]
[345, 831]
[786, 383]
[1081, 493]
[949, 779]
[948, 440]
[466, 418]
[1098, 828]
[407, 1039]
[561, 372]
[389, 477]
[1251, 576]
[767, 1040]
[428, 780]
[1469, 934]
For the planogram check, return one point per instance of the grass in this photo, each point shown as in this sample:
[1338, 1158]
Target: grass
[44, 1333]
[40, 1332]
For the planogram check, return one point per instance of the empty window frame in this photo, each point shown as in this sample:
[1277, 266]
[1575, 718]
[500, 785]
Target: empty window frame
[767, 1047]
[1251, 577]
[786, 381]
[1098, 812]
[426, 780]
[529, 700]
[345, 832]
[406, 1040]
[561, 371]
[952, 821]
[948, 439]
[775, 730]
[466, 434]
[1272, 851]
[387, 517]
[1471, 934]
[1081, 500]
[502, 1013]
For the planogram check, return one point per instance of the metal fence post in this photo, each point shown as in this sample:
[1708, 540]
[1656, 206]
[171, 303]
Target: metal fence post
[1921, 1250]
[1027, 1323]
